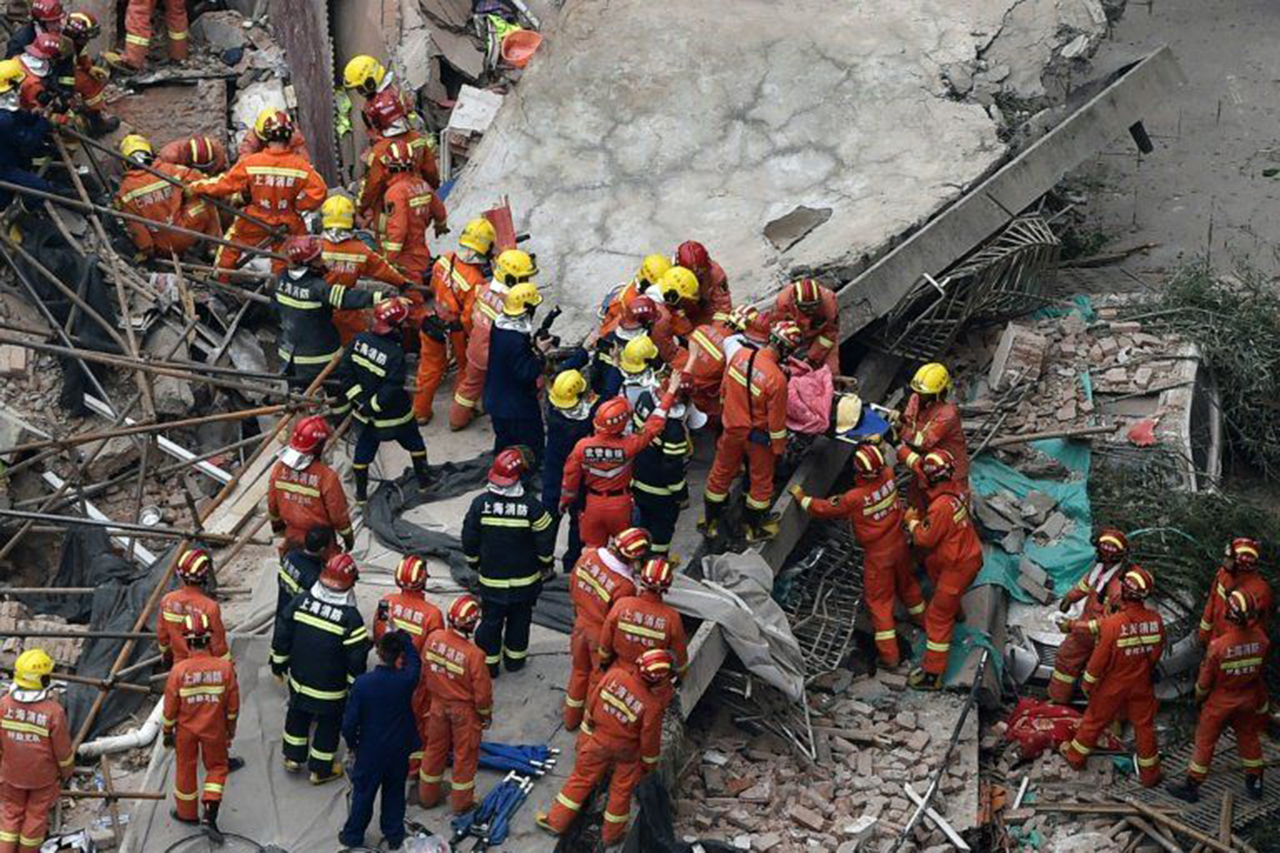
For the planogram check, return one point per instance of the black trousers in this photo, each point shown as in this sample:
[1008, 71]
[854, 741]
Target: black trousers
[407, 435]
[319, 748]
[389, 778]
[658, 514]
[509, 432]
[504, 631]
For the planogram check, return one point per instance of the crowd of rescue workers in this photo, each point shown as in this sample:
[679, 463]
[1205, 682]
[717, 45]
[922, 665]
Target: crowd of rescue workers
[605, 455]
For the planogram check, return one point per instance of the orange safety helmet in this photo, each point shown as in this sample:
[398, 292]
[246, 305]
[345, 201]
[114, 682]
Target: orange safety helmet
[1111, 544]
[194, 566]
[656, 575]
[310, 434]
[196, 629]
[938, 465]
[1137, 583]
[1242, 607]
[868, 460]
[632, 543]
[340, 573]
[411, 574]
[612, 416]
[508, 467]
[464, 614]
[656, 665]
[1243, 553]
[303, 249]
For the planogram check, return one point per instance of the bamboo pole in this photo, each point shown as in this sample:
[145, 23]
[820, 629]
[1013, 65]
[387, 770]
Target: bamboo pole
[113, 804]
[112, 635]
[115, 795]
[1077, 432]
[1178, 826]
[123, 526]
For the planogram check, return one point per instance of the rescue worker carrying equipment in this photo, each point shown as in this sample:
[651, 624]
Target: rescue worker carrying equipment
[138, 31]
[257, 139]
[145, 194]
[374, 371]
[874, 510]
[514, 368]
[201, 703]
[461, 707]
[568, 421]
[347, 259]
[601, 577]
[35, 754]
[509, 540]
[1239, 570]
[303, 493]
[194, 569]
[202, 153]
[621, 738]
[642, 621]
[1117, 679]
[1100, 591]
[931, 422]
[658, 484]
[320, 643]
[815, 310]
[511, 268]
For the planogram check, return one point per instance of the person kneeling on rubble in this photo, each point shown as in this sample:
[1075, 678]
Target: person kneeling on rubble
[305, 494]
[1118, 678]
[1100, 592]
[953, 557]
[873, 508]
[621, 738]
[146, 194]
[35, 754]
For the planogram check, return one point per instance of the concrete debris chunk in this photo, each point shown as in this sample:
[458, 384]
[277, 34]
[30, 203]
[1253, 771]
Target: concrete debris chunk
[220, 30]
[1053, 527]
[789, 229]
[1014, 541]
[806, 817]
[1019, 356]
[1036, 506]
[714, 757]
[13, 361]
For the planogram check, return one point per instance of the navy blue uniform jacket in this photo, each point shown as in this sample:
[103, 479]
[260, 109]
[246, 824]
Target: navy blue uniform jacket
[378, 723]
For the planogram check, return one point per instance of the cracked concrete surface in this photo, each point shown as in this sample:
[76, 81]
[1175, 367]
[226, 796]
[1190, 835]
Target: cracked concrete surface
[644, 123]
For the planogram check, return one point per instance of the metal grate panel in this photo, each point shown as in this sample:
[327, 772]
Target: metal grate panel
[823, 596]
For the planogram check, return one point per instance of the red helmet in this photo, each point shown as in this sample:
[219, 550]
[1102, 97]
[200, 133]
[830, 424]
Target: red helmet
[938, 465]
[612, 416]
[1242, 607]
[656, 665]
[632, 543]
[398, 156]
[386, 108]
[1243, 552]
[1111, 544]
[786, 336]
[389, 314]
[808, 294]
[508, 467]
[48, 46]
[47, 11]
[195, 627]
[202, 152]
[277, 127]
[303, 249]
[1137, 583]
[411, 574]
[82, 28]
[693, 255]
[759, 326]
[310, 434]
[464, 614]
[194, 566]
[656, 574]
[340, 573]
[641, 313]
[868, 460]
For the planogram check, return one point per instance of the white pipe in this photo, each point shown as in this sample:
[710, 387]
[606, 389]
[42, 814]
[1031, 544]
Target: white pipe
[143, 735]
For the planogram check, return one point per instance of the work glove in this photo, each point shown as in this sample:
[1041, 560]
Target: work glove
[441, 228]
[797, 492]
[1064, 605]
[168, 738]
[349, 540]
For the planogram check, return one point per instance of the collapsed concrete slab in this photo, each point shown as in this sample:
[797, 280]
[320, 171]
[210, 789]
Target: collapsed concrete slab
[641, 125]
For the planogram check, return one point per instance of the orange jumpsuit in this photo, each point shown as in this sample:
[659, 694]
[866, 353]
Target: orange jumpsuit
[90, 83]
[1231, 678]
[411, 612]
[952, 560]
[461, 708]
[454, 285]
[622, 733]
[144, 194]
[376, 177]
[312, 497]
[597, 581]
[174, 607]
[820, 330]
[252, 143]
[703, 361]
[280, 186]
[470, 389]
[137, 26]
[602, 464]
[713, 297]
[873, 508]
[35, 758]
[638, 623]
[935, 426]
[1118, 684]
[181, 152]
[1213, 622]
[1100, 589]
[201, 702]
[755, 426]
[623, 297]
[408, 207]
[347, 260]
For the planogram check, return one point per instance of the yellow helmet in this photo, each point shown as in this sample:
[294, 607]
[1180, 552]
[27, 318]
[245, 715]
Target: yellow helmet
[264, 115]
[567, 389]
[364, 73]
[11, 74]
[338, 211]
[653, 268]
[521, 298]
[678, 283]
[637, 354]
[32, 668]
[514, 266]
[135, 143]
[933, 378]
[478, 236]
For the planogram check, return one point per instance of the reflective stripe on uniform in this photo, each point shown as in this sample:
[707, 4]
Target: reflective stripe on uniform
[146, 189]
[937, 647]
[277, 171]
[202, 690]
[306, 359]
[510, 583]
[890, 634]
[491, 521]
[1063, 677]
[326, 695]
[568, 803]
[1147, 762]
[462, 786]
[610, 699]
[1083, 750]
[610, 817]
[641, 631]
[297, 488]
[317, 622]
[25, 728]
[661, 491]
[142, 41]
[300, 304]
[441, 660]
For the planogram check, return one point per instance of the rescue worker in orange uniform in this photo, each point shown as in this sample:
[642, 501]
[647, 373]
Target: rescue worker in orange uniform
[643, 283]
[280, 186]
[461, 707]
[202, 153]
[40, 90]
[47, 16]
[408, 206]
[256, 140]
[874, 510]
[713, 284]
[304, 493]
[87, 80]
[194, 569]
[601, 466]
[621, 738]
[931, 422]
[815, 310]
[1117, 679]
[392, 126]
[643, 621]
[703, 360]
[753, 396]
[1100, 591]
[1229, 686]
[1239, 570]
[35, 754]
[601, 577]
[512, 267]
[347, 259]
[953, 558]
[138, 31]
[408, 610]
[678, 288]
[370, 78]
[201, 703]
[144, 194]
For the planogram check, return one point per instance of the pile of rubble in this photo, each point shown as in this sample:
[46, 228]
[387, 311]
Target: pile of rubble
[17, 618]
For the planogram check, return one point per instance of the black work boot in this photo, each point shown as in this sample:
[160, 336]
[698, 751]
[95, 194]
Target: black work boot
[709, 524]
[100, 125]
[1188, 791]
[761, 525]
[918, 679]
[361, 476]
[235, 762]
[1253, 786]
[211, 823]
[420, 471]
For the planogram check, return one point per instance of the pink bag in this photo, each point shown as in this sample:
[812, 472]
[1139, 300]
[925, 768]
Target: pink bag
[809, 394]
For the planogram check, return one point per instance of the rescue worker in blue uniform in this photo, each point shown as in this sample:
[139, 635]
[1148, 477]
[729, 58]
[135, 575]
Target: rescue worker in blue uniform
[24, 135]
[516, 362]
[658, 474]
[301, 567]
[568, 420]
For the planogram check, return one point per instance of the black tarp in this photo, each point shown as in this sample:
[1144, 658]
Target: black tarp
[655, 829]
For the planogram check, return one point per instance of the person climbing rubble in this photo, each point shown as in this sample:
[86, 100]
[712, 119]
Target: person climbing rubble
[81, 75]
[1239, 570]
[873, 508]
[194, 569]
[600, 578]
[644, 621]
[929, 422]
[1117, 679]
[1230, 692]
[713, 285]
[305, 494]
[1099, 589]
[146, 194]
[258, 138]
[201, 704]
[139, 31]
[815, 310]
[347, 259]
[202, 153]
[35, 754]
